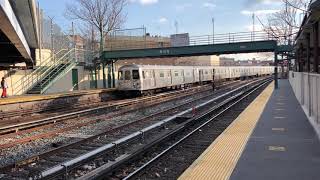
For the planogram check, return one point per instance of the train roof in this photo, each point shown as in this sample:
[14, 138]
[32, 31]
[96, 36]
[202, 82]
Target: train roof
[137, 66]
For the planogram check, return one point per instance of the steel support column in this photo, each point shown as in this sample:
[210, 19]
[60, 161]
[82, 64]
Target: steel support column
[109, 75]
[309, 69]
[276, 85]
[104, 74]
[316, 47]
[308, 53]
[113, 74]
[300, 61]
[96, 75]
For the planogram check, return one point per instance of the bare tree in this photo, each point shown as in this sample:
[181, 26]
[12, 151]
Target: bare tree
[283, 24]
[104, 15]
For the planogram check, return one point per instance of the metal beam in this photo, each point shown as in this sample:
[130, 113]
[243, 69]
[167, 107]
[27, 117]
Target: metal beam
[276, 85]
[11, 28]
[316, 47]
[197, 50]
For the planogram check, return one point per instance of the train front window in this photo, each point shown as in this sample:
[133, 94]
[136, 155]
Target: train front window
[127, 75]
[135, 74]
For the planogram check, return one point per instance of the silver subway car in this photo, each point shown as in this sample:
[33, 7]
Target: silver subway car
[146, 79]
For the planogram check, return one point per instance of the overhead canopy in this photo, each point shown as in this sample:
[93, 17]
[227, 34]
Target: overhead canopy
[18, 32]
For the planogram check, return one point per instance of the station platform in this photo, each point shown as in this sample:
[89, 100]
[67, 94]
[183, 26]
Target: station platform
[35, 97]
[271, 139]
[48, 101]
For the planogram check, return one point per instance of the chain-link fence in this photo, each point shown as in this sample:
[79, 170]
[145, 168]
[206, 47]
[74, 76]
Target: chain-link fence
[55, 39]
[136, 38]
[52, 35]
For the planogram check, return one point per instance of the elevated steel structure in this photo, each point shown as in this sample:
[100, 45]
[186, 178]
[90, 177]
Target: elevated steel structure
[198, 50]
[232, 43]
[18, 32]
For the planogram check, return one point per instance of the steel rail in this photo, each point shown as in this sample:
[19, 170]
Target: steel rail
[141, 168]
[49, 120]
[69, 164]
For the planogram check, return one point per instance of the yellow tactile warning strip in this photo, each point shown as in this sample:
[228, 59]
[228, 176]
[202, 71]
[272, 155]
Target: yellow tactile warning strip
[29, 98]
[221, 157]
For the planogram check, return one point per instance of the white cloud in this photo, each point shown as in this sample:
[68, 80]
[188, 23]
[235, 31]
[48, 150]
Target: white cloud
[163, 20]
[257, 27]
[209, 5]
[263, 2]
[145, 2]
[182, 7]
[269, 2]
[259, 12]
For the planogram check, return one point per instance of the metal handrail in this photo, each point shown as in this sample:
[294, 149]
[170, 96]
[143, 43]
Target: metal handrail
[56, 63]
[69, 63]
[23, 82]
[126, 44]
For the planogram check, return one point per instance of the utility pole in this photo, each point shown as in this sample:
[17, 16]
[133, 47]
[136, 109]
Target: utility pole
[253, 28]
[177, 26]
[213, 30]
[52, 39]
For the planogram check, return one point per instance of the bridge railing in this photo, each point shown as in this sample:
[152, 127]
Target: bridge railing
[139, 42]
[230, 38]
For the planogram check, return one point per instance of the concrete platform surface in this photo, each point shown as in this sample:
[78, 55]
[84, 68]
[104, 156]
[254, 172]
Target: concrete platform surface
[283, 145]
[271, 140]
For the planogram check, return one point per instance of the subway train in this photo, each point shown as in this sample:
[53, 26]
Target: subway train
[147, 79]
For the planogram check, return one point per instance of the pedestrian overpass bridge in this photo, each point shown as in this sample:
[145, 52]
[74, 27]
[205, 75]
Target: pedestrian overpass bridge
[232, 43]
[18, 32]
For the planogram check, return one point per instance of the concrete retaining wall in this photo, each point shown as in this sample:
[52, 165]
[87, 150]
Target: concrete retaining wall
[307, 90]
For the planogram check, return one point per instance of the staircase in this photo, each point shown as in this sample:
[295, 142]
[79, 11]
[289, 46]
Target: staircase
[50, 70]
[44, 83]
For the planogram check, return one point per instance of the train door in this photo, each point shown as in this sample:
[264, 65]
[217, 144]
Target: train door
[213, 74]
[200, 75]
[153, 78]
[127, 79]
[195, 76]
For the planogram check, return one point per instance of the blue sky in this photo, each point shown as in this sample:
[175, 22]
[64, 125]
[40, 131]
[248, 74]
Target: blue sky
[193, 16]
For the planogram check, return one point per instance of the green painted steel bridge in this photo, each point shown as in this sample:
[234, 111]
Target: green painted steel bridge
[232, 43]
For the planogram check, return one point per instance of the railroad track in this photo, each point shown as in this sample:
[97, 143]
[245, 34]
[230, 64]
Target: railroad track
[171, 155]
[137, 103]
[114, 105]
[52, 130]
[53, 163]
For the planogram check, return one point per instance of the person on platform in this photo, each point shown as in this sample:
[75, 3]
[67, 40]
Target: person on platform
[4, 87]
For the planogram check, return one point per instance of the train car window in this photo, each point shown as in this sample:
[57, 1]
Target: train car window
[176, 73]
[127, 75]
[135, 74]
[120, 75]
[206, 72]
[161, 74]
[147, 74]
[143, 75]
